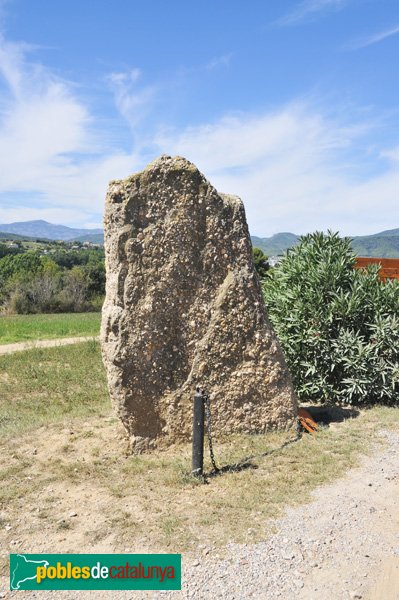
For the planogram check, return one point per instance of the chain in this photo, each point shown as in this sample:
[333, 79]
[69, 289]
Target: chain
[207, 404]
[246, 461]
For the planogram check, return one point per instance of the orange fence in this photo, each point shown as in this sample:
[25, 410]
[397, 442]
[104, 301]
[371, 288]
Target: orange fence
[389, 267]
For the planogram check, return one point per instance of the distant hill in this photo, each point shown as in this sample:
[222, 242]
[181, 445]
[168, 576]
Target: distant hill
[380, 245]
[11, 236]
[94, 238]
[387, 233]
[277, 244]
[383, 245]
[44, 230]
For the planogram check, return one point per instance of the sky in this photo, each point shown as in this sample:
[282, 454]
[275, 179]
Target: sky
[293, 105]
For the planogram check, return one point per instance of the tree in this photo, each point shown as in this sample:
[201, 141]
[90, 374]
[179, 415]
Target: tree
[95, 275]
[24, 265]
[75, 286]
[6, 250]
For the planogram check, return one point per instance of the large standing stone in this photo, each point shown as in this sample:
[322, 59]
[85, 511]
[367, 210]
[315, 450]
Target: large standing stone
[184, 308]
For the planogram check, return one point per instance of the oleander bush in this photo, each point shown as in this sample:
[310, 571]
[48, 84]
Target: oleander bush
[338, 326]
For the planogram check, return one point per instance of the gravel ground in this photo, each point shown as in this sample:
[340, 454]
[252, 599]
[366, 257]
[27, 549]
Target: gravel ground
[342, 545]
[336, 547]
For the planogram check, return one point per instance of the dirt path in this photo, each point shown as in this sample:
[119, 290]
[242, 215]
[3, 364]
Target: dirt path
[342, 545]
[10, 348]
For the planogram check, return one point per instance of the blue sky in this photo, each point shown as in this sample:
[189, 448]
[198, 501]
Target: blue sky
[292, 105]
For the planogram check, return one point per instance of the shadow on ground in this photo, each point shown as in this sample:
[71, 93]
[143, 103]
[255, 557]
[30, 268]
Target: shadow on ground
[325, 415]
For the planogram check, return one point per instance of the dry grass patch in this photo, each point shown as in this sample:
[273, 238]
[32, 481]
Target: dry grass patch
[151, 502]
[65, 454]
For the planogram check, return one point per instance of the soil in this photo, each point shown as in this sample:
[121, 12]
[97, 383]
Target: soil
[10, 348]
[342, 545]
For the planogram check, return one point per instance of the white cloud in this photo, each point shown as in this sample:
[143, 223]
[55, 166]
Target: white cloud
[27, 213]
[295, 167]
[308, 9]
[290, 167]
[134, 103]
[219, 61]
[125, 77]
[373, 39]
[392, 154]
[48, 144]
[40, 122]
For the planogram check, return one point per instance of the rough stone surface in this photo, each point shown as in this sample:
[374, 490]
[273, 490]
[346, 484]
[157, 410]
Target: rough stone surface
[184, 308]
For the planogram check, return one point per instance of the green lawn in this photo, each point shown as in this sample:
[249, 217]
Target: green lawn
[23, 328]
[48, 385]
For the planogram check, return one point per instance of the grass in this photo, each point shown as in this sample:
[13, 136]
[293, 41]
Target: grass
[148, 502]
[48, 385]
[23, 328]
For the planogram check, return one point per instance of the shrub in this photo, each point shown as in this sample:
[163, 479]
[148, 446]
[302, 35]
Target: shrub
[74, 293]
[35, 295]
[338, 326]
[32, 283]
[260, 262]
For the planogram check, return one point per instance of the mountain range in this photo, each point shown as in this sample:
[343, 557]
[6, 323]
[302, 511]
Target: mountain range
[47, 231]
[382, 245]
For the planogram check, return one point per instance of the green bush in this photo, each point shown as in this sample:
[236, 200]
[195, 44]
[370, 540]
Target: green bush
[260, 262]
[338, 326]
[35, 283]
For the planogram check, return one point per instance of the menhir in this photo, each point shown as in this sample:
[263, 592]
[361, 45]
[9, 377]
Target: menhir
[184, 308]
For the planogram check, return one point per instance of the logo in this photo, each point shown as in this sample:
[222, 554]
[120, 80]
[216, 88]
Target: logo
[95, 571]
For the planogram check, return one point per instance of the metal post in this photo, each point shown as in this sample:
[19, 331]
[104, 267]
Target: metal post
[198, 433]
